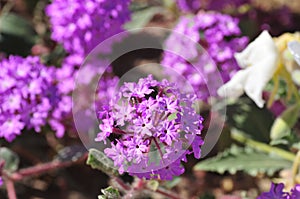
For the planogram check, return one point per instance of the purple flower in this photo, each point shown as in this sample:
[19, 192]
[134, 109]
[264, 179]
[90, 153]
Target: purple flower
[219, 35]
[295, 192]
[276, 192]
[30, 97]
[117, 153]
[147, 119]
[189, 5]
[106, 129]
[168, 132]
[84, 24]
[137, 148]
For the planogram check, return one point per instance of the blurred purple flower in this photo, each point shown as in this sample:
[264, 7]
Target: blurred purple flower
[295, 192]
[189, 5]
[82, 25]
[219, 35]
[30, 97]
[149, 129]
[276, 192]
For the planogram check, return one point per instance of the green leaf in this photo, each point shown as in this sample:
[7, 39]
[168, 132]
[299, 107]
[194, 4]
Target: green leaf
[243, 159]
[11, 159]
[109, 193]
[141, 18]
[173, 116]
[98, 160]
[244, 115]
[17, 35]
[283, 124]
[153, 185]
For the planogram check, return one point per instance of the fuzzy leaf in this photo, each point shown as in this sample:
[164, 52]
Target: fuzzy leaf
[98, 160]
[11, 159]
[243, 159]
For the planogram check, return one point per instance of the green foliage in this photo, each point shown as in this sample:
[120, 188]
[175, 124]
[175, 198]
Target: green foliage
[141, 18]
[243, 159]
[153, 185]
[17, 36]
[11, 159]
[283, 124]
[109, 193]
[98, 160]
[244, 115]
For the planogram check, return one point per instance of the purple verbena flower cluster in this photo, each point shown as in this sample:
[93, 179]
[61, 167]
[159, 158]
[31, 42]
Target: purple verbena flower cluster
[82, 25]
[28, 94]
[276, 192]
[188, 5]
[218, 34]
[151, 124]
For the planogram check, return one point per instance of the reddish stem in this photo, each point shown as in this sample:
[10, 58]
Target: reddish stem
[158, 147]
[166, 193]
[39, 169]
[119, 131]
[10, 187]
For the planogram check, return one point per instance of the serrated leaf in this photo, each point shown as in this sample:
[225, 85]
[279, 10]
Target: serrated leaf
[283, 124]
[98, 160]
[244, 115]
[141, 18]
[11, 159]
[109, 193]
[246, 159]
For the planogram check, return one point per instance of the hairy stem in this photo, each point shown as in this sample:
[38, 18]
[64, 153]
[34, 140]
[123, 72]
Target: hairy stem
[39, 169]
[237, 136]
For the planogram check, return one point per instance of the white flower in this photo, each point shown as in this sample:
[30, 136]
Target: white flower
[259, 62]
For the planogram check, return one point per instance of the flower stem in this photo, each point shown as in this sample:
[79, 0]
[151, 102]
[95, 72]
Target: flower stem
[295, 167]
[38, 169]
[159, 149]
[238, 136]
[10, 187]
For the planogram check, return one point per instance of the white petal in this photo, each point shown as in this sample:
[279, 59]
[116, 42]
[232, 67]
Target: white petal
[260, 61]
[235, 87]
[257, 50]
